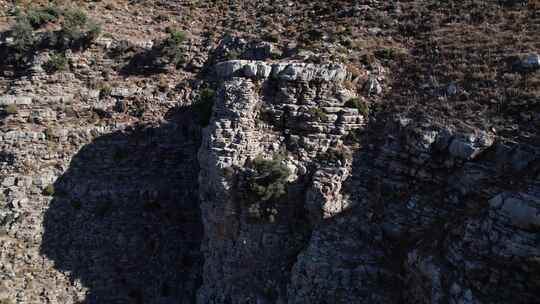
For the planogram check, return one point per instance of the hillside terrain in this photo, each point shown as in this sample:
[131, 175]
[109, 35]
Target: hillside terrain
[238, 151]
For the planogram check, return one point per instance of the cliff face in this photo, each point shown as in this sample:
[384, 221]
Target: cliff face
[98, 192]
[411, 211]
[264, 109]
[357, 152]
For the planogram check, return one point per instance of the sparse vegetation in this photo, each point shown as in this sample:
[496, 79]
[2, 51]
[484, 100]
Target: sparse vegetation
[234, 54]
[334, 155]
[78, 29]
[352, 138]
[356, 103]
[105, 90]
[57, 62]
[170, 48]
[312, 36]
[11, 109]
[267, 178]
[40, 16]
[466, 43]
[317, 113]
[271, 37]
[388, 53]
[49, 190]
[203, 106]
[23, 37]
[176, 37]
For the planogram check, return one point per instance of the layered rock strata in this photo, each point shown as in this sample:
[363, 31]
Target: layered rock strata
[293, 109]
[421, 213]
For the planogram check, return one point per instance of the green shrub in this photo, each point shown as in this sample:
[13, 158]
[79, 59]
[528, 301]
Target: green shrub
[75, 18]
[313, 36]
[334, 155]
[74, 24]
[57, 62]
[23, 36]
[105, 90]
[352, 137]
[40, 16]
[203, 106]
[271, 37]
[355, 103]
[317, 113]
[268, 178]
[389, 53]
[11, 109]
[170, 49]
[49, 190]
[78, 29]
[234, 54]
[176, 37]
[94, 30]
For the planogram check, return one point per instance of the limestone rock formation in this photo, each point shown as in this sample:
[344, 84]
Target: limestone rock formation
[262, 109]
[224, 152]
[421, 216]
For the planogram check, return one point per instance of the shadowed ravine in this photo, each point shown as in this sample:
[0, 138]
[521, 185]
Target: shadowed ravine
[124, 219]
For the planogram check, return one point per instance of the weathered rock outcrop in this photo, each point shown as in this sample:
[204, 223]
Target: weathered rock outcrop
[407, 173]
[262, 109]
[98, 203]
[420, 213]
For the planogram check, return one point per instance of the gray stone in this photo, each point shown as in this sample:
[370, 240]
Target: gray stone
[229, 68]
[532, 61]
[522, 209]
[13, 99]
[373, 86]
[451, 89]
[469, 146]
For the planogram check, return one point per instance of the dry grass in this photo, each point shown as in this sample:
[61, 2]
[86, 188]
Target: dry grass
[420, 43]
[472, 44]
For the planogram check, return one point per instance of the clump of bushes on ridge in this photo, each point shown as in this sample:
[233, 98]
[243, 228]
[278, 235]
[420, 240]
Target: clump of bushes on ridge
[38, 17]
[23, 38]
[317, 113]
[10, 109]
[57, 62]
[169, 49]
[77, 30]
[356, 103]
[49, 190]
[267, 178]
[339, 154]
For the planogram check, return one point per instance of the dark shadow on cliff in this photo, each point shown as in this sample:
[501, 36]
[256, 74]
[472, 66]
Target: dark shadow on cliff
[124, 220]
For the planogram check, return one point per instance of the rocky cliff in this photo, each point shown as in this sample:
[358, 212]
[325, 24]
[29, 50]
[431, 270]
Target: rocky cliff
[410, 212]
[269, 152]
[263, 109]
